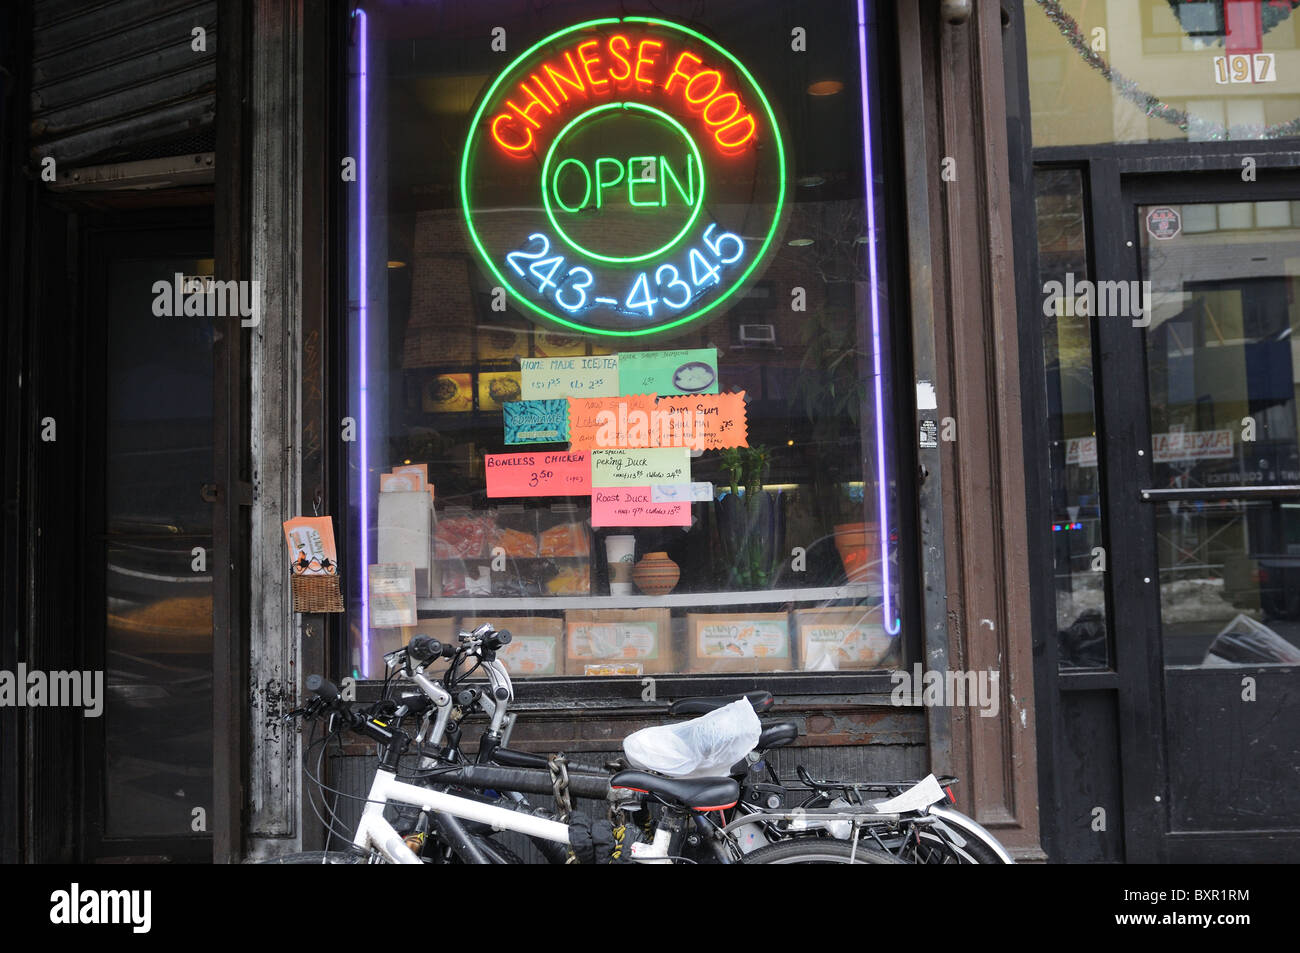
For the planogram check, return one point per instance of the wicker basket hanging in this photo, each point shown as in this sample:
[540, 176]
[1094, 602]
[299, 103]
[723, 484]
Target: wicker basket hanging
[316, 594]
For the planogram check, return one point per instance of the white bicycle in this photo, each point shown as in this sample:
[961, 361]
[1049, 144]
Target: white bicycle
[444, 815]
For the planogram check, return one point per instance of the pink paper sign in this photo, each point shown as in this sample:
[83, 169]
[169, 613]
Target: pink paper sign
[559, 473]
[633, 506]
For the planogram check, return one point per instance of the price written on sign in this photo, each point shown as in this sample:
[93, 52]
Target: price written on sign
[635, 506]
[669, 372]
[706, 422]
[563, 473]
[553, 377]
[640, 467]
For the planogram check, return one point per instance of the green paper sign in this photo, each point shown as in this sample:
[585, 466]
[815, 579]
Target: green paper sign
[640, 467]
[668, 372]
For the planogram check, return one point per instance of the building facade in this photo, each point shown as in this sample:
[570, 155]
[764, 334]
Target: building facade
[852, 351]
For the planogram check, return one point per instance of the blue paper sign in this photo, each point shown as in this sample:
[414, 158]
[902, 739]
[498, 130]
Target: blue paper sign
[536, 421]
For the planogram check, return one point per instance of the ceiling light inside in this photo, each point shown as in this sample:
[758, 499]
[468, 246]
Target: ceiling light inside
[825, 87]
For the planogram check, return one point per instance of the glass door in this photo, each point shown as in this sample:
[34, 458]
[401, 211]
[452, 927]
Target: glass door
[149, 757]
[1203, 386]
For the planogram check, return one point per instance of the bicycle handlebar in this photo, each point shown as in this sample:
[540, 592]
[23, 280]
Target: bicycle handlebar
[323, 687]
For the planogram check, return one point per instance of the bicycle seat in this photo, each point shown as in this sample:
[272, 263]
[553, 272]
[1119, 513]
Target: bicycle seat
[699, 794]
[761, 701]
[777, 733]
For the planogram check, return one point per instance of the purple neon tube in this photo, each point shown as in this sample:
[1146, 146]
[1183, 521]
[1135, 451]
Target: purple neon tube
[364, 293]
[892, 625]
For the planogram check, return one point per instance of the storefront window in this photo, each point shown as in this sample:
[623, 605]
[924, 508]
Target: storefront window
[618, 337]
[1074, 464]
[1136, 71]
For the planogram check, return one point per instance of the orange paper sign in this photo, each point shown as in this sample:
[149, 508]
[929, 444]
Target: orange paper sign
[702, 422]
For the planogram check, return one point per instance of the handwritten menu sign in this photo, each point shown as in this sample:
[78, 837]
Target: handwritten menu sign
[635, 506]
[562, 473]
[711, 421]
[706, 422]
[640, 467]
[536, 421]
[668, 372]
[603, 421]
[553, 377]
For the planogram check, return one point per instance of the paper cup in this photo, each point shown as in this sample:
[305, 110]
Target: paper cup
[620, 553]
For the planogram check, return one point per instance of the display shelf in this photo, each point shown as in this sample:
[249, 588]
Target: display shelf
[693, 600]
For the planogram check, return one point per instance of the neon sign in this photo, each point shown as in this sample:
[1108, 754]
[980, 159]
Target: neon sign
[623, 177]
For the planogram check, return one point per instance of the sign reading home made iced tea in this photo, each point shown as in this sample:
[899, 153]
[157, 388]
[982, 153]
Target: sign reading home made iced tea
[623, 177]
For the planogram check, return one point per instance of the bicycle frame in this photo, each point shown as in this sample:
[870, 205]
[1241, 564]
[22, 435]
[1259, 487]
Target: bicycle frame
[374, 832]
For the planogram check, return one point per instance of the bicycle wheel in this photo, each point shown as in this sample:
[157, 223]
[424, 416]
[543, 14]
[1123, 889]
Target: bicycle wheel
[936, 849]
[317, 857]
[811, 850]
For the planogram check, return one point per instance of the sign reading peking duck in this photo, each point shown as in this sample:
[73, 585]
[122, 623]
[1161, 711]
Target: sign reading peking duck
[624, 177]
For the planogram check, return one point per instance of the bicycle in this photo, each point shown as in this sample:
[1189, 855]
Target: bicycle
[913, 824]
[376, 840]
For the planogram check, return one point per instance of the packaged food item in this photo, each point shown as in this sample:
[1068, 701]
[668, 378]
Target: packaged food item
[610, 636]
[745, 642]
[516, 543]
[534, 647]
[842, 638]
[476, 581]
[564, 540]
[463, 536]
[606, 669]
[571, 580]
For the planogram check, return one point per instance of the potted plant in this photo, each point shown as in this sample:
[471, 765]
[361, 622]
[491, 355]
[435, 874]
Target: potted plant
[751, 520]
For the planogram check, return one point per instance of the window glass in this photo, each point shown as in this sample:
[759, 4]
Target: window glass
[618, 337]
[1222, 379]
[1078, 549]
[1145, 70]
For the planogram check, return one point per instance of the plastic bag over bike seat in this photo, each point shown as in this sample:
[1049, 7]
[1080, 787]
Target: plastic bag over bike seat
[703, 747]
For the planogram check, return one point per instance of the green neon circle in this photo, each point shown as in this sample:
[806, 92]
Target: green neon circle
[668, 246]
[609, 332]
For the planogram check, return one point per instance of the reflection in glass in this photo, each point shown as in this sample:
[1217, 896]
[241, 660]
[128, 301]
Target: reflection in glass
[1081, 610]
[1223, 364]
[158, 714]
[1145, 70]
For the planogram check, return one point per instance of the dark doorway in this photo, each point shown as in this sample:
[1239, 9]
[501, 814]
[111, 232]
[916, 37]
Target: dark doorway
[148, 555]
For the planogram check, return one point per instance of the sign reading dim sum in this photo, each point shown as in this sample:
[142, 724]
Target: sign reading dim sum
[623, 177]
